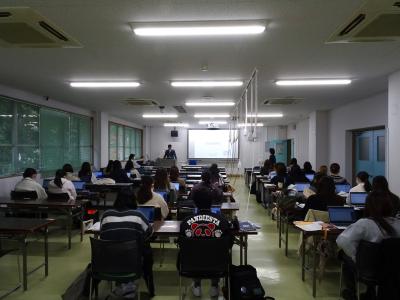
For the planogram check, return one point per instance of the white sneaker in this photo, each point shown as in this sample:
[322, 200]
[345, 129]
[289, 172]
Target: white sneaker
[196, 290]
[214, 291]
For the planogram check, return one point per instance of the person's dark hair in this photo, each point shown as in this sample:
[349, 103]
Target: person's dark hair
[109, 167]
[86, 170]
[129, 166]
[169, 146]
[57, 179]
[380, 184]
[326, 187]
[131, 156]
[272, 151]
[68, 168]
[323, 170]
[29, 172]
[307, 167]
[117, 166]
[206, 176]
[293, 161]
[267, 164]
[125, 200]
[145, 193]
[203, 198]
[334, 168]
[364, 178]
[295, 172]
[161, 181]
[280, 169]
[214, 171]
[174, 173]
[378, 206]
[316, 180]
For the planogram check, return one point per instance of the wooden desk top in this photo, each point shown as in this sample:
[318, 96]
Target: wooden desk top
[7, 202]
[23, 225]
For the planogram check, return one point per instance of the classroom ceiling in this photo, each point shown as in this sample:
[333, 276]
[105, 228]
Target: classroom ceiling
[292, 47]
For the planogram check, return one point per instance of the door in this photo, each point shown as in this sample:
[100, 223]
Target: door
[370, 149]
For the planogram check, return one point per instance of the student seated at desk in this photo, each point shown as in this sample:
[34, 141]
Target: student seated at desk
[85, 173]
[29, 183]
[307, 168]
[312, 189]
[281, 179]
[266, 168]
[216, 194]
[363, 185]
[193, 227]
[325, 196]
[124, 223]
[146, 196]
[61, 185]
[119, 174]
[323, 170]
[131, 170]
[335, 171]
[216, 178]
[380, 184]
[377, 225]
[108, 170]
[297, 175]
[161, 181]
[174, 177]
[69, 172]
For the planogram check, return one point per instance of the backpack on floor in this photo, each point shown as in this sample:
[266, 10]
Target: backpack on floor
[245, 284]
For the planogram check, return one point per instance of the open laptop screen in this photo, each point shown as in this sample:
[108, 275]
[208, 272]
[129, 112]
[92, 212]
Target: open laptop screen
[310, 177]
[148, 212]
[358, 198]
[46, 183]
[79, 185]
[300, 187]
[176, 185]
[98, 174]
[214, 209]
[341, 214]
[343, 188]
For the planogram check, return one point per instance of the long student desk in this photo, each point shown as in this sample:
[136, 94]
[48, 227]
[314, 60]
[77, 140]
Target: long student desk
[18, 229]
[172, 229]
[70, 210]
[107, 187]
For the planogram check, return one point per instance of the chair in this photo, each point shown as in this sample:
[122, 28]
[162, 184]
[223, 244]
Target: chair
[24, 195]
[115, 261]
[389, 272]
[194, 263]
[3, 253]
[62, 197]
[183, 212]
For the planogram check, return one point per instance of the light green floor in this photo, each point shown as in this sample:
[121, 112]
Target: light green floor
[279, 275]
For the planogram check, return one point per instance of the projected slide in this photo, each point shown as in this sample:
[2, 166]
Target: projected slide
[211, 144]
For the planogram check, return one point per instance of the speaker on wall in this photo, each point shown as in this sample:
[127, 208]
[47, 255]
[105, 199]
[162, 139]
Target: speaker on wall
[174, 133]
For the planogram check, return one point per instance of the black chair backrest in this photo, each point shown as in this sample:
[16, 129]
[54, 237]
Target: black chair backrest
[389, 279]
[116, 257]
[184, 212]
[204, 257]
[368, 261]
[62, 197]
[25, 195]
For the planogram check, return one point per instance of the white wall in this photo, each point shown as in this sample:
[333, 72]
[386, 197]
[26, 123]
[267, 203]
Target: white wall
[366, 113]
[299, 132]
[393, 133]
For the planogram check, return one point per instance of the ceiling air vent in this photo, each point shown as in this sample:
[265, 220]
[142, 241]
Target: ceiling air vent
[180, 109]
[23, 27]
[282, 101]
[375, 21]
[140, 102]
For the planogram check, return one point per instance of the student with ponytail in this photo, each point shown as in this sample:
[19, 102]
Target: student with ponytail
[61, 185]
[146, 196]
[363, 185]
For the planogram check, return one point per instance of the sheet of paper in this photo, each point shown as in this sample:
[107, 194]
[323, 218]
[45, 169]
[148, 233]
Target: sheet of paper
[309, 226]
[95, 227]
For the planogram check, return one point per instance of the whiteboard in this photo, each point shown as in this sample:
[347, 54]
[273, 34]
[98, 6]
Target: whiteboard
[217, 144]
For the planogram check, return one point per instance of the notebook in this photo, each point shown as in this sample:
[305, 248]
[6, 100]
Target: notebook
[310, 177]
[148, 212]
[343, 188]
[300, 187]
[358, 198]
[79, 185]
[341, 216]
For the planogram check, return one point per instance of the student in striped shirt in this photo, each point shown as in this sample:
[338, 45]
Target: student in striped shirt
[124, 223]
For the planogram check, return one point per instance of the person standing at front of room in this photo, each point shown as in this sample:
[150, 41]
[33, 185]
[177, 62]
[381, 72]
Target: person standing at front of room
[170, 153]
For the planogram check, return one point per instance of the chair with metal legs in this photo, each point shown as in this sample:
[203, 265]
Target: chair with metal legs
[3, 253]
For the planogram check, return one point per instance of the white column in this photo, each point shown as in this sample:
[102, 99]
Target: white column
[393, 133]
[100, 139]
[318, 138]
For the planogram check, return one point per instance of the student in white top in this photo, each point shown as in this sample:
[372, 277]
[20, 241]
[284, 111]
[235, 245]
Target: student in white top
[69, 172]
[377, 225]
[62, 185]
[29, 183]
[146, 196]
[363, 185]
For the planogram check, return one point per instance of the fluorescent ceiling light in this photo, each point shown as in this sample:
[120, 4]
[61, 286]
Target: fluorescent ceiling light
[213, 83]
[210, 103]
[104, 84]
[161, 116]
[212, 122]
[313, 82]
[176, 125]
[211, 115]
[271, 115]
[250, 124]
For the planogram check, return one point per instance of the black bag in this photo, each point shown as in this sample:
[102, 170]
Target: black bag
[245, 284]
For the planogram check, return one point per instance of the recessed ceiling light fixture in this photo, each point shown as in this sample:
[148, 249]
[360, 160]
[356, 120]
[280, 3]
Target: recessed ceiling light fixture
[271, 115]
[209, 83]
[160, 116]
[210, 103]
[176, 125]
[211, 115]
[249, 124]
[202, 28]
[212, 122]
[105, 84]
[306, 82]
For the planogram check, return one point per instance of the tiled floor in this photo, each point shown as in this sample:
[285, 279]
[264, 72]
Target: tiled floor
[279, 275]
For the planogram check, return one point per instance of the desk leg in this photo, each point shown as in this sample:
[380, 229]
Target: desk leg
[314, 279]
[241, 249]
[24, 263]
[303, 256]
[280, 232]
[69, 227]
[46, 252]
[245, 249]
[286, 236]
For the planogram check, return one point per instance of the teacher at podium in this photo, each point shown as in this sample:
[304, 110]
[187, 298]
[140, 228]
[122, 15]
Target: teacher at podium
[170, 153]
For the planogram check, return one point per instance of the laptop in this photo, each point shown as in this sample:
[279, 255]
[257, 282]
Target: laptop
[341, 216]
[128, 174]
[344, 188]
[148, 212]
[310, 177]
[98, 174]
[46, 183]
[163, 194]
[214, 209]
[300, 187]
[79, 185]
[176, 185]
[358, 198]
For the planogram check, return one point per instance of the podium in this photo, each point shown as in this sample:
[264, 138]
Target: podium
[165, 162]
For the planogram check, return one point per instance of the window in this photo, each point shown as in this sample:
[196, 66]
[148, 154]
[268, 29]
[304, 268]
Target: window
[123, 141]
[41, 138]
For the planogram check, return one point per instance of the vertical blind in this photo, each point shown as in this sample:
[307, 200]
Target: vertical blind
[123, 141]
[41, 138]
